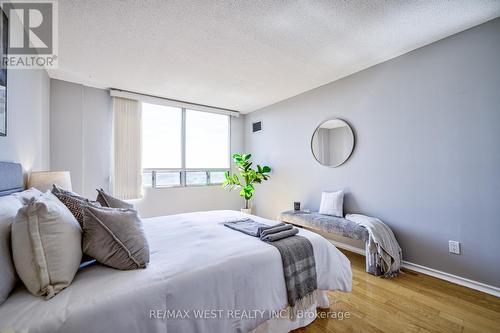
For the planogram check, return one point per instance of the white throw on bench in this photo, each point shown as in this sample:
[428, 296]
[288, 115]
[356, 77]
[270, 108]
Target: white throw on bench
[382, 259]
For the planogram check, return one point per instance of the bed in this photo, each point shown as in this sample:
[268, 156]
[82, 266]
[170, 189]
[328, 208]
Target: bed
[202, 277]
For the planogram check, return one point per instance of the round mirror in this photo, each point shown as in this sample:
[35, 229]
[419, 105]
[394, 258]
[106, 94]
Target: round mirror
[333, 142]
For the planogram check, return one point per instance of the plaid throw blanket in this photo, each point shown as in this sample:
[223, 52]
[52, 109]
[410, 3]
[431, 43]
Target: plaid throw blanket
[297, 256]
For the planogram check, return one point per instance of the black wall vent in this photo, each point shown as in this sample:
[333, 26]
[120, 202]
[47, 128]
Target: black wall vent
[257, 126]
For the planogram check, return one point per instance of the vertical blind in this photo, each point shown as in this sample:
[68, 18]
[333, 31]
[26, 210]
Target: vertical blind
[127, 127]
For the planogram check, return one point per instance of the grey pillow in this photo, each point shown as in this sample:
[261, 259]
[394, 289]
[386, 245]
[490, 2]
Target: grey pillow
[107, 200]
[56, 189]
[115, 237]
[25, 196]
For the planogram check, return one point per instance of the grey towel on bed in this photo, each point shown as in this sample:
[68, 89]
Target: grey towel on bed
[273, 237]
[249, 227]
[277, 228]
[297, 256]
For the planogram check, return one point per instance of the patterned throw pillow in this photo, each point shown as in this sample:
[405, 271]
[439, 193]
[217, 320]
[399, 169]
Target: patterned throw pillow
[74, 202]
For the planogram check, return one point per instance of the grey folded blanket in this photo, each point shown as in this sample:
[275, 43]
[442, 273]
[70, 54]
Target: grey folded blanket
[297, 256]
[249, 227]
[273, 237]
[276, 228]
[267, 233]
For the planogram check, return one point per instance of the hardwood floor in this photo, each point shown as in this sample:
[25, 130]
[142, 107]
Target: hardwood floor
[412, 302]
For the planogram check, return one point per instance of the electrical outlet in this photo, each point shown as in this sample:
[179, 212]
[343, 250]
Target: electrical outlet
[454, 247]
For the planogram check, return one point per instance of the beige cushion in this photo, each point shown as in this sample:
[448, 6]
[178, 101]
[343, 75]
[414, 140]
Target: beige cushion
[115, 237]
[46, 248]
[9, 206]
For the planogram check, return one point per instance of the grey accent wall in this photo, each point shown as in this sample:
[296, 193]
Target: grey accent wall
[427, 155]
[81, 142]
[27, 140]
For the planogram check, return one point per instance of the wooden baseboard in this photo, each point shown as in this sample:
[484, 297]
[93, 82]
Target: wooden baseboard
[488, 289]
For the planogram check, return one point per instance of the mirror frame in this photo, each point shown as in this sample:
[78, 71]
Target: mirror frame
[353, 142]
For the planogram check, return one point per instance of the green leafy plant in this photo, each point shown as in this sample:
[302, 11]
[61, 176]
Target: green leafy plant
[248, 177]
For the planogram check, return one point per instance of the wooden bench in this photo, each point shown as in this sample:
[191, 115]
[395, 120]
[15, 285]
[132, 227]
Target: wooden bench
[333, 225]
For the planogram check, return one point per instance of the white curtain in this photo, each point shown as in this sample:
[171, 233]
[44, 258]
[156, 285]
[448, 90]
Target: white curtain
[127, 127]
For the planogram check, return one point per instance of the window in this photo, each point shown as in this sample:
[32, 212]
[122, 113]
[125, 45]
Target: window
[161, 136]
[183, 147]
[207, 140]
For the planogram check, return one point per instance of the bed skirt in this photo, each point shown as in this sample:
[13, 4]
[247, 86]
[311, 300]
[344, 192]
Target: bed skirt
[284, 324]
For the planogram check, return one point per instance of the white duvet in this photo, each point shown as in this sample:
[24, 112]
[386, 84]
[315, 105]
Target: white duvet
[196, 264]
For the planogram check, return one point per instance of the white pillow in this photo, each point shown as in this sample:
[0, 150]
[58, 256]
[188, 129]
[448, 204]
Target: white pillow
[9, 206]
[46, 245]
[26, 195]
[332, 203]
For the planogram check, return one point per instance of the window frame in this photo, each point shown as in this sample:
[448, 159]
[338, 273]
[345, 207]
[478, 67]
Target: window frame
[183, 170]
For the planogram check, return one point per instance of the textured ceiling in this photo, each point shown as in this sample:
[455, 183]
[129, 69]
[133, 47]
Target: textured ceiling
[244, 55]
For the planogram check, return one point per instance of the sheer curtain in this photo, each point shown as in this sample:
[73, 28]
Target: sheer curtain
[127, 127]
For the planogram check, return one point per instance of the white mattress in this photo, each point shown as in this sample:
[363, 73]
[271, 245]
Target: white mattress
[196, 264]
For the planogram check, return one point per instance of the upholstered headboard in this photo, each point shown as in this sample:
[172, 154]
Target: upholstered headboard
[11, 178]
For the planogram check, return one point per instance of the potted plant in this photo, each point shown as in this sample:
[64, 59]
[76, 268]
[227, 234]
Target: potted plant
[249, 177]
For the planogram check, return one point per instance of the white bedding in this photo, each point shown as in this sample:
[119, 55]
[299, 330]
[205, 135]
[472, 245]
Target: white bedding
[196, 264]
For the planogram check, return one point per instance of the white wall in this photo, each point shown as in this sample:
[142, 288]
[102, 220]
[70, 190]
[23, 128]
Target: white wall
[27, 140]
[80, 141]
[427, 154]
[80, 136]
